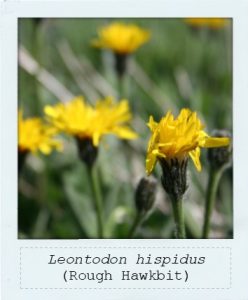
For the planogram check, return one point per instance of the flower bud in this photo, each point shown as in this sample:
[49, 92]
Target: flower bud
[87, 151]
[145, 194]
[220, 157]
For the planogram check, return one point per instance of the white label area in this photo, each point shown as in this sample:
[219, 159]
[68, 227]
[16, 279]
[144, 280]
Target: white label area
[125, 267]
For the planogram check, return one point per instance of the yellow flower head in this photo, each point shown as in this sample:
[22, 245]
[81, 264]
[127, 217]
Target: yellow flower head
[87, 122]
[36, 136]
[121, 38]
[178, 138]
[212, 23]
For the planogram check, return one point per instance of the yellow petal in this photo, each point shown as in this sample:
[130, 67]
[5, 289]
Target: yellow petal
[96, 139]
[212, 142]
[50, 111]
[125, 133]
[152, 124]
[195, 156]
[150, 163]
[45, 149]
[156, 152]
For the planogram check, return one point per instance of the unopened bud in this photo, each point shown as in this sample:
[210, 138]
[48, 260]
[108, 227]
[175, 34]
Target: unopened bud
[220, 157]
[145, 194]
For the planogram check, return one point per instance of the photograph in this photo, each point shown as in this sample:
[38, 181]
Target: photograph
[125, 128]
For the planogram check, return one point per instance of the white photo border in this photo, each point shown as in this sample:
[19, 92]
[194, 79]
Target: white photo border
[11, 245]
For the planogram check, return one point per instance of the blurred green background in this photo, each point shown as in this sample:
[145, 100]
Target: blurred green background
[180, 66]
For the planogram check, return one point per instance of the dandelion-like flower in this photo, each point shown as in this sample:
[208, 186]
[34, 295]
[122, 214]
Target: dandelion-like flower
[84, 121]
[34, 135]
[121, 38]
[212, 23]
[173, 140]
[88, 124]
[178, 138]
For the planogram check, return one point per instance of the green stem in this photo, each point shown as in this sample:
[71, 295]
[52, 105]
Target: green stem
[137, 221]
[97, 197]
[213, 182]
[177, 206]
[121, 87]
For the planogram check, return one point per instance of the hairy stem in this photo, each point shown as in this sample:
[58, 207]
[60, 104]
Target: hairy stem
[178, 212]
[213, 182]
[97, 197]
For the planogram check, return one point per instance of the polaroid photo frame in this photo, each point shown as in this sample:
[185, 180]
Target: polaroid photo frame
[73, 264]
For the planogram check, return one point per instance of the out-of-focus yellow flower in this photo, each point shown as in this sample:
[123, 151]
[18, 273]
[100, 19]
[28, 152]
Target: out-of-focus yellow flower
[34, 136]
[212, 23]
[121, 38]
[178, 138]
[84, 121]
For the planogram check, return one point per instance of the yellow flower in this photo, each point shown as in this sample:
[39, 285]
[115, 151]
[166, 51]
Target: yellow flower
[179, 138]
[121, 38]
[86, 122]
[34, 136]
[212, 23]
